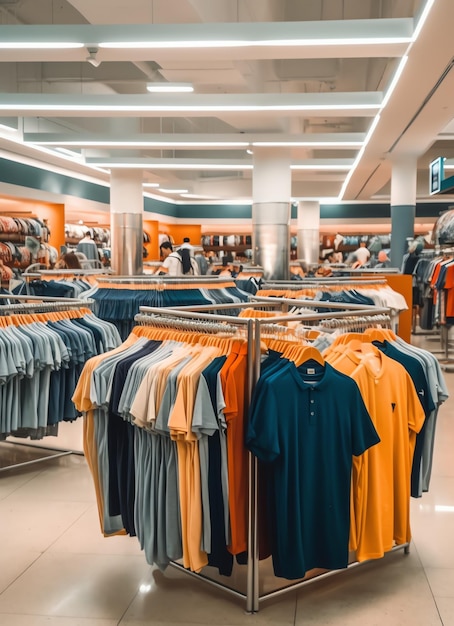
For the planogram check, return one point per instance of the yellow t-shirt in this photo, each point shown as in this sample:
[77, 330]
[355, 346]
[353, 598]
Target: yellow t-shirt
[381, 476]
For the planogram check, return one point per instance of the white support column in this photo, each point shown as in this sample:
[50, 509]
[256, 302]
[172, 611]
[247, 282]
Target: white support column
[403, 206]
[271, 212]
[309, 231]
[126, 215]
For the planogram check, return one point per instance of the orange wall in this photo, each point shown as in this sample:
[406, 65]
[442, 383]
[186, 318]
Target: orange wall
[55, 216]
[402, 283]
[151, 227]
[178, 232]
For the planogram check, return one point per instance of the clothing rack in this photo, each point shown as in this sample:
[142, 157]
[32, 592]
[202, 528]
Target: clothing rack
[30, 305]
[41, 304]
[144, 279]
[312, 281]
[184, 315]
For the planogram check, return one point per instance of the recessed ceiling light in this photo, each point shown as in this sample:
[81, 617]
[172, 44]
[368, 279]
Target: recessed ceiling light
[150, 184]
[174, 190]
[170, 87]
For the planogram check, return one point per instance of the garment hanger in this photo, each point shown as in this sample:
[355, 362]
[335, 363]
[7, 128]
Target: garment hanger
[309, 353]
[380, 334]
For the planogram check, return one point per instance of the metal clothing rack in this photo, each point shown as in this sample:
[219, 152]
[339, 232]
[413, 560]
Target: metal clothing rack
[254, 327]
[41, 304]
[145, 279]
[35, 274]
[312, 281]
[37, 304]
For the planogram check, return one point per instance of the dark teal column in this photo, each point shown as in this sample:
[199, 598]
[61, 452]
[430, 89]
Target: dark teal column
[402, 229]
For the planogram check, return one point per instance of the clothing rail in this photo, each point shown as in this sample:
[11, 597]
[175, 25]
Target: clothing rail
[69, 272]
[254, 327]
[322, 282]
[370, 270]
[162, 280]
[39, 304]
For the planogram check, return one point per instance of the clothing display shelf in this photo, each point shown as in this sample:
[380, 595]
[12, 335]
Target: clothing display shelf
[38, 273]
[325, 284]
[118, 298]
[202, 318]
[444, 253]
[26, 304]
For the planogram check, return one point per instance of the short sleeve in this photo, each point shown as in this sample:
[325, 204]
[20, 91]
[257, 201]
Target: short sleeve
[363, 432]
[262, 437]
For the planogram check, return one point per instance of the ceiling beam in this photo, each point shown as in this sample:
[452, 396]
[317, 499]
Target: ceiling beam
[236, 40]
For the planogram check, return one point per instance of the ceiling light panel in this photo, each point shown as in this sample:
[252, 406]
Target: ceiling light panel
[170, 164]
[192, 140]
[319, 104]
[170, 87]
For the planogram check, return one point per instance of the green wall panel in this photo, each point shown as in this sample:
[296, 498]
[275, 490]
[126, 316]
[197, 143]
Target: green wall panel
[40, 178]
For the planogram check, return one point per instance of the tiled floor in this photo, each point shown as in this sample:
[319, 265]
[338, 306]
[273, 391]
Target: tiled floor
[57, 570]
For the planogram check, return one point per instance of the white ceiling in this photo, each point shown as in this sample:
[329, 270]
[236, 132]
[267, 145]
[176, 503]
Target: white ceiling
[280, 91]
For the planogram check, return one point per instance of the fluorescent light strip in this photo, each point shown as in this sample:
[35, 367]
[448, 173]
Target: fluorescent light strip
[149, 185]
[198, 196]
[422, 19]
[425, 13]
[307, 144]
[186, 108]
[359, 156]
[322, 166]
[174, 190]
[395, 80]
[170, 87]
[239, 43]
[144, 144]
[172, 166]
[39, 45]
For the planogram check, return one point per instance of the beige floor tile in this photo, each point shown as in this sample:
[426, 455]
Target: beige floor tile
[44, 620]
[441, 582]
[10, 480]
[370, 595]
[64, 479]
[94, 586]
[435, 544]
[13, 562]
[85, 537]
[446, 609]
[174, 597]
[33, 525]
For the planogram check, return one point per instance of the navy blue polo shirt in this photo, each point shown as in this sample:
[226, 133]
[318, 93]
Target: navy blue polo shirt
[307, 422]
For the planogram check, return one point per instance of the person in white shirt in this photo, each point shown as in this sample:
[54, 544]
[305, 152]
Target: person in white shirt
[187, 244]
[87, 238]
[173, 263]
[362, 255]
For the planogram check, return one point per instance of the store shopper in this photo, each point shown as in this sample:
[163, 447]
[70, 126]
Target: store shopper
[68, 261]
[176, 264]
[361, 255]
[383, 259]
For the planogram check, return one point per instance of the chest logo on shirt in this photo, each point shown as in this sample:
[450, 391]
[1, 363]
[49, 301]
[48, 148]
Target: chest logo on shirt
[393, 406]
